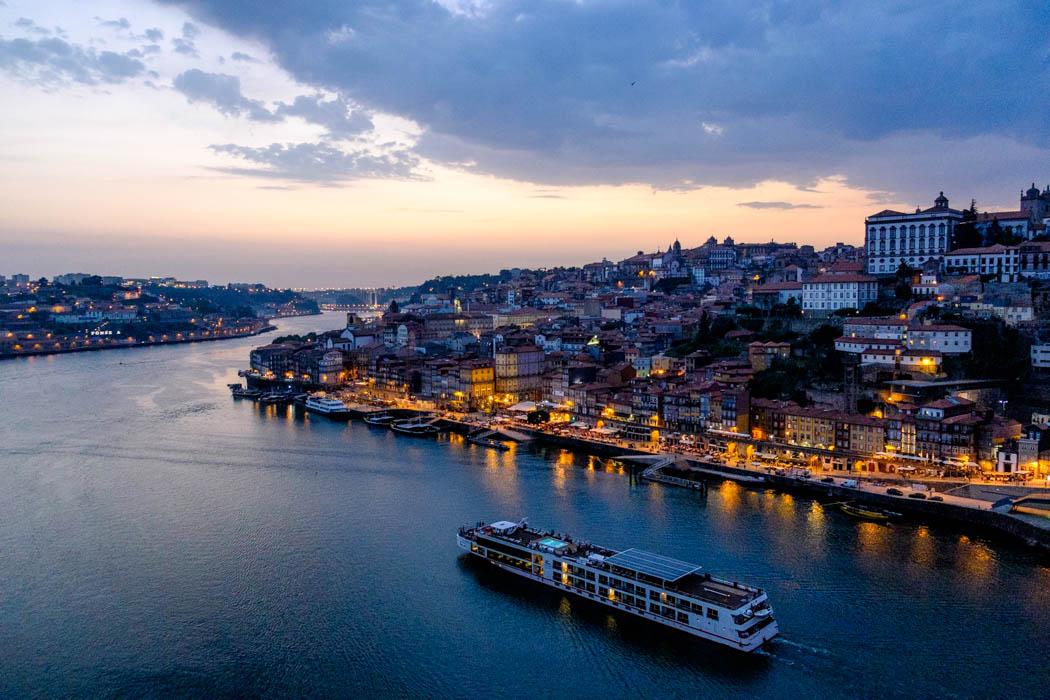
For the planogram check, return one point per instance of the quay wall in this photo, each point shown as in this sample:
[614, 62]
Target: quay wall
[985, 520]
[1002, 523]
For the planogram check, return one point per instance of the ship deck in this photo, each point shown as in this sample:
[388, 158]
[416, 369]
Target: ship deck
[716, 592]
[698, 585]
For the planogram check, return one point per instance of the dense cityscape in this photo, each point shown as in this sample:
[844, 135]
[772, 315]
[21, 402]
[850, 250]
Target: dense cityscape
[908, 354]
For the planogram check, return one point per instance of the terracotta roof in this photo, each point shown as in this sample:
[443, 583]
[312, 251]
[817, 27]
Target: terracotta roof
[846, 278]
[1002, 216]
[988, 250]
[778, 287]
[846, 266]
[869, 341]
[876, 321]
[950, 402]
[946, 327]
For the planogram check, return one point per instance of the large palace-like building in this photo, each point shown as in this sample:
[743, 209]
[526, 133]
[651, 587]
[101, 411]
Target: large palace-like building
[893, 237]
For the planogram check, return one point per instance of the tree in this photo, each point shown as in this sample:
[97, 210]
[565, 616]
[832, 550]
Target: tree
[704, 331]
[825, 335]
[394, 308]
[902, 290]
[722, 325]
[750, 311]
[965, 234]
[996, 234]
[538, 416]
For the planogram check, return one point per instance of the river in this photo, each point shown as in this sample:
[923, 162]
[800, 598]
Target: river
[158, 538]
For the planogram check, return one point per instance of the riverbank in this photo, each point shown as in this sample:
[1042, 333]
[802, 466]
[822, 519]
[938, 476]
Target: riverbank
[113, 344]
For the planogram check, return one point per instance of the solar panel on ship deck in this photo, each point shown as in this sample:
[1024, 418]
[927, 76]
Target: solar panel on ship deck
[652, 564]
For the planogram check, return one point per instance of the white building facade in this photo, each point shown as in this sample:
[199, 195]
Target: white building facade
[893, 237]
[947, 339]
[1000, 260]
[828, 293]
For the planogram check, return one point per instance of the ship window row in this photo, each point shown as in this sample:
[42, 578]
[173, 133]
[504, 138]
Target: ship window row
[580, 571]
[626, 587]
[506, 559]
[581, 584]
[623, 586]
[507, 549]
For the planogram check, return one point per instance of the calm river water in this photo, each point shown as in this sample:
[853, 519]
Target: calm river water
[158, 538]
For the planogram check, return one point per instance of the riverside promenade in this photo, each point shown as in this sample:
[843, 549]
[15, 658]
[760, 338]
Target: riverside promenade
[984, 506]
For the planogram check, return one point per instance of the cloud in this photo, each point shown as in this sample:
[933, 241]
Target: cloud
[239, 56]
[54, 62]
[121, 23]
[155, 34]
[190, 31]
[336, 115]
[184, 47]
[541, 91]
[318, 163]
[777, 205]
[223, 92]
[31, 26]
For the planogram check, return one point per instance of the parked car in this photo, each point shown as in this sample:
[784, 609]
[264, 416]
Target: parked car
[917, 494]
[850, 483]
[827, 480]
[894, 492]
[936, 498]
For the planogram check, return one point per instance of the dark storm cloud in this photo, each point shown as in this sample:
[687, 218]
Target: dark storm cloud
[676, 94]
[223, 92]
[319, 163]
[52, 62]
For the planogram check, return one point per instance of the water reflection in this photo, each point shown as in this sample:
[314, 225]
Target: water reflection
[924, 549]
[976, 563]
[873, 538]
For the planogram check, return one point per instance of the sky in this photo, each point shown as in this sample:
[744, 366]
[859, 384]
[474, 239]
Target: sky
[320, 143]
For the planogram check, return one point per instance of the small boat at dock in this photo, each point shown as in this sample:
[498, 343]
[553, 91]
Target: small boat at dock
[277, 397]
[866, 512]
[489, 442]
[240, 392]
[382, 420]
[415, 426]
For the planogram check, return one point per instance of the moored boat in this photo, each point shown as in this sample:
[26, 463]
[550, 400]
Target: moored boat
[415, 426]
[327, 407]
[382, 419]
[240, 392]
[866, 512]
[667, 591]
[489, 442]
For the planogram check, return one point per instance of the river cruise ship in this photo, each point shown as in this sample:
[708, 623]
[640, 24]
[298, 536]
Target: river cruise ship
[667, 591]
[327, 406]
